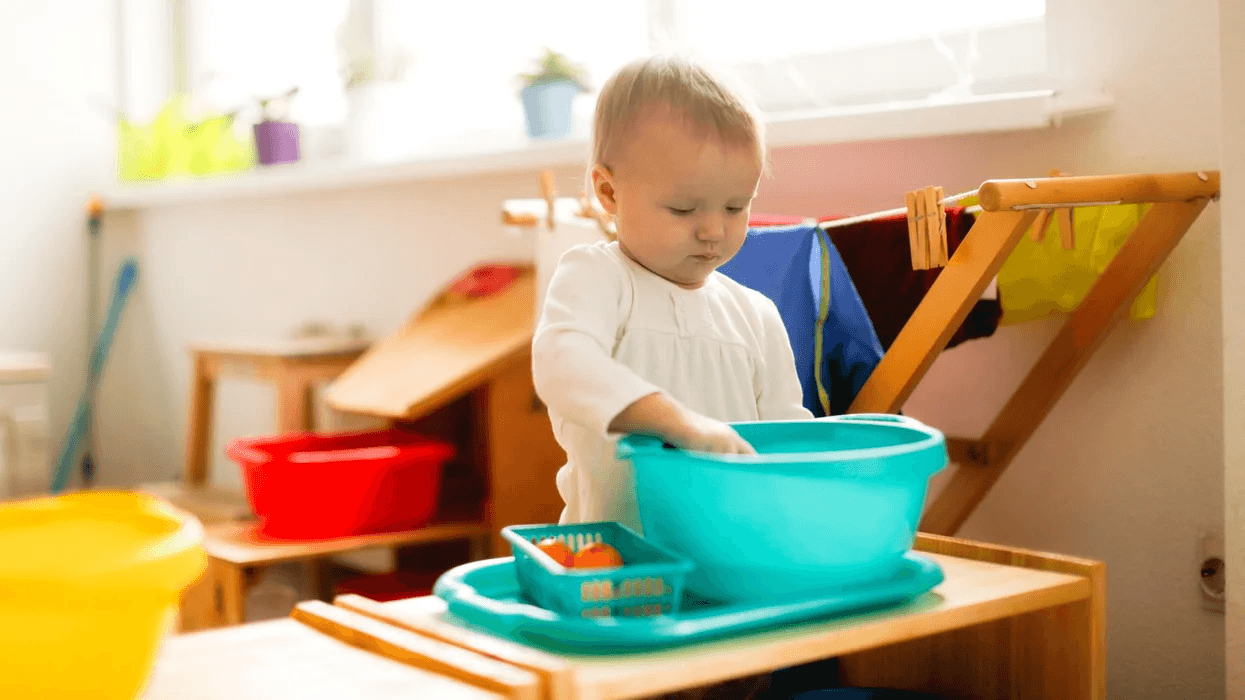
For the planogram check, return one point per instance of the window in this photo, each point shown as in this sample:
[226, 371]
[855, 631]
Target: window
[455, 63]
[798, 55]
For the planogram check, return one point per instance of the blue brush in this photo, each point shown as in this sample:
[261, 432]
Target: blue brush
[127, 276]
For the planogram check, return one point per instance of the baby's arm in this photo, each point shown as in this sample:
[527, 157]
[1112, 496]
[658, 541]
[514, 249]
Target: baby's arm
[661, 415]
[574, 371]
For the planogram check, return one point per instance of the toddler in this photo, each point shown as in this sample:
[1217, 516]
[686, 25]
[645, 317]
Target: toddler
[643, 335]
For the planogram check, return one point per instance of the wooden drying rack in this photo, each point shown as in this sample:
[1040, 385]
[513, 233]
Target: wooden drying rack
[1009, 208]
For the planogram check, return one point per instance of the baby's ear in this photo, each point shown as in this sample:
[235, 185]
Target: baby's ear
[603, 187]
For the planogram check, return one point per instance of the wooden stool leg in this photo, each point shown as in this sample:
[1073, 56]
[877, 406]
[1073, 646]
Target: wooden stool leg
[317, 571]
[293, 402]
[231, 585]
[199, 432]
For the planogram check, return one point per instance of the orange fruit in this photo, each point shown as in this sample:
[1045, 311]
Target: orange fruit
[557, 551]
[598, 556]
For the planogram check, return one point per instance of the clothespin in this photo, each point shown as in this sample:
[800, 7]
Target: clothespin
[1067, 236]
[511, 219]
[549, 192]
[927, 228]
[936, 222]
[1063, 219]
[916, 222]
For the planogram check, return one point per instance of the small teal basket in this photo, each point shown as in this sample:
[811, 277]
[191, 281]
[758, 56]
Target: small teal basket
[649, 583]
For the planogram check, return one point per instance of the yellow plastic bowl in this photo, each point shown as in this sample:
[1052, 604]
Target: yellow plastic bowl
[89, 583]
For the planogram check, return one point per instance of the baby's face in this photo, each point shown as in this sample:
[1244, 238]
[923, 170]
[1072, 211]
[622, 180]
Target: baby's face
[681, 198]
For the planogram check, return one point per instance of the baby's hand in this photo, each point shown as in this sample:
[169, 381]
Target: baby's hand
[704, 434]
[658, 414]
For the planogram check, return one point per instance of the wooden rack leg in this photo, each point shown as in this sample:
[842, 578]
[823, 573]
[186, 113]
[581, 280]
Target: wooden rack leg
[945, 306]
[1084, 331]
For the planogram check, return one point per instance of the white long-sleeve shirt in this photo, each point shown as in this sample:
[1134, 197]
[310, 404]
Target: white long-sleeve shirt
[612, 332]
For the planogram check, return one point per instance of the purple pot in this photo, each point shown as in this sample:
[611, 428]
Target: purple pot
[276, 142]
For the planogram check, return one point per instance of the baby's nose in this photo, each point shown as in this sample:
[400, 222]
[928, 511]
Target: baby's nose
[711, 231]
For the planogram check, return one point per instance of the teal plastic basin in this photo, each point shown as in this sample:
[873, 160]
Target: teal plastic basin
[825, 503]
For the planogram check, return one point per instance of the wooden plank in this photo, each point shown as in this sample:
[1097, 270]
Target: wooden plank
[1057, 652]
[419, 651]
[1081, 335]
[976, 261]
[286, 659]
[210, 504]
[974, 592]
[241, 543]
[1001, 195]
[441, 353]
[1008, 556]
[970, 452]
[555, 672]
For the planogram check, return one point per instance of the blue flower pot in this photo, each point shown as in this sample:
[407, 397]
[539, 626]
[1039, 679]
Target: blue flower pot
[549, 109]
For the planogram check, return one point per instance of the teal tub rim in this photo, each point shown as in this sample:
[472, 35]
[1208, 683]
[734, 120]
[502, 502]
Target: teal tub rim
[636, 445]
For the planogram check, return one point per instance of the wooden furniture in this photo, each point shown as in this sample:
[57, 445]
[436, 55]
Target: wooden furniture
[1009, 209]
[237, 554]
[461, 370]
[1005, 623]
[294, 367]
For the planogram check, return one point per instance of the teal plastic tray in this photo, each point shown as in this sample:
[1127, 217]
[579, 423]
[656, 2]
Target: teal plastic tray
[486, 595]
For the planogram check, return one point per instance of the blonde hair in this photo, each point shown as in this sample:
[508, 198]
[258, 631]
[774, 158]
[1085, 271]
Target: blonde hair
[689, 89]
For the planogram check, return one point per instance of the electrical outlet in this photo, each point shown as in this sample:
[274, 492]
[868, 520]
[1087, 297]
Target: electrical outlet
[1211, 576]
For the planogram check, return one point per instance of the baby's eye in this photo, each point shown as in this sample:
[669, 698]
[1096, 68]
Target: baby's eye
[680, 212]
[734, 210]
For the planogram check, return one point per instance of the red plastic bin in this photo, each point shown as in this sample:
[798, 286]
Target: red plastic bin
[321, 486]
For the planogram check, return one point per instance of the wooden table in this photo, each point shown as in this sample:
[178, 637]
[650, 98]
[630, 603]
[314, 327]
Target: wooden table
[237, 553]
[1006, 623]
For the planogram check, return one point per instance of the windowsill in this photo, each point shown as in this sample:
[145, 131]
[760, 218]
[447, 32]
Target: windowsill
[997, 113]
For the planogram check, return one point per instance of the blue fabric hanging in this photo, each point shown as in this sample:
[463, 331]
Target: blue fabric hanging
[792, 265]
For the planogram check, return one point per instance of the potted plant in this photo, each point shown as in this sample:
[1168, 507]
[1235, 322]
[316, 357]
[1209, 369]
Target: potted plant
[276, 140]
[549, 94]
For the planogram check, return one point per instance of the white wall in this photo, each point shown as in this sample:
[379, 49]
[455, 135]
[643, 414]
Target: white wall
[57, 149]
[1126, 468]
[1232, 60]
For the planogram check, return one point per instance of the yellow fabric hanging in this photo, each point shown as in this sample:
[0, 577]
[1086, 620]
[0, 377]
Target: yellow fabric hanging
[1039, 279]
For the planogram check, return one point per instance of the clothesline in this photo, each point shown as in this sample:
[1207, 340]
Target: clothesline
[835, 223]
[885, 214]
